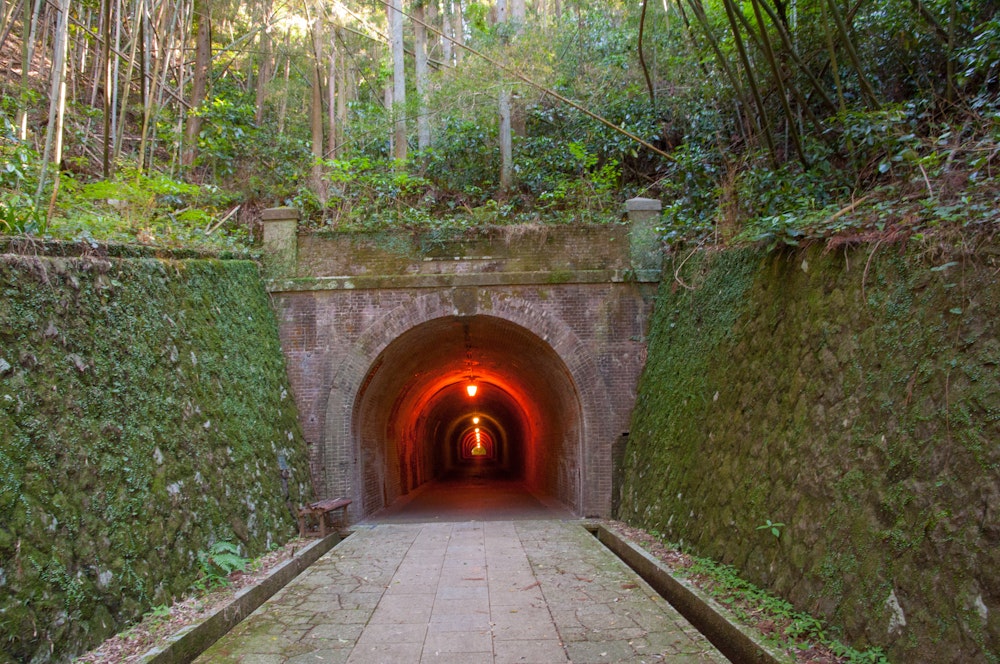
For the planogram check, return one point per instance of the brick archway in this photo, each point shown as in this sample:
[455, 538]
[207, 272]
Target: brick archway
[342, 300]
[585, 462]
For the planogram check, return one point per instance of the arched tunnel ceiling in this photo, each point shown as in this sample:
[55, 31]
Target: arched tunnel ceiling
[414, 402]
[446, 351]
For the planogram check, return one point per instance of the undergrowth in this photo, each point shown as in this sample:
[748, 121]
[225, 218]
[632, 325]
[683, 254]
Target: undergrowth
[781, 625]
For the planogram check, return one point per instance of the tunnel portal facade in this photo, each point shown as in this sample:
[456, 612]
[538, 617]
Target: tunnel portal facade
[383, 345]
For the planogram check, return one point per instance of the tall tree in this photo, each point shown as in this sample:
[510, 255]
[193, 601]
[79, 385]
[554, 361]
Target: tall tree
[420, 75]
[447, 33]
[57, 106]
[107, 71]
[508, 11]
[202, 27]
[29, 28]
[332, 91]
[345, 90]
[458, 29]
[398, 79]
[286, 78]
[264, 63]
[316, 111]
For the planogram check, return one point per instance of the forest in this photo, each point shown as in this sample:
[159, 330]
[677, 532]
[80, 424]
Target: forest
[174, 122]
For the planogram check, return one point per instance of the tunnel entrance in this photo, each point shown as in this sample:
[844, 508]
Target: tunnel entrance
[462, 398]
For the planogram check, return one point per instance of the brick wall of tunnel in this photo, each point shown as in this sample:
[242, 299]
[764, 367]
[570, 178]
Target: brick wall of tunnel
[342, 347]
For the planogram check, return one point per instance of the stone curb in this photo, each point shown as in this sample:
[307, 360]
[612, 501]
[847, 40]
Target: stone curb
[734, 641]
[184, 646]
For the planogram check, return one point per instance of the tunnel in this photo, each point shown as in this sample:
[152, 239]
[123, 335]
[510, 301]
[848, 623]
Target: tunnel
[467, 397]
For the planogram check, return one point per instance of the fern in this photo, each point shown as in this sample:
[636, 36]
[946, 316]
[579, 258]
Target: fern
[221, 560]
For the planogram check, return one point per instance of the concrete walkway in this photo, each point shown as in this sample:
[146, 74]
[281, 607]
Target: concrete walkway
[465, 593]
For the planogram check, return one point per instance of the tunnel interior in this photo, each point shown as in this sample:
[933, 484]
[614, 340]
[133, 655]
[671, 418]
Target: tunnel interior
[474, 396]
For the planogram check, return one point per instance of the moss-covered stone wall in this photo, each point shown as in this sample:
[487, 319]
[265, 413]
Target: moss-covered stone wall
[143, 407]
[854, 397]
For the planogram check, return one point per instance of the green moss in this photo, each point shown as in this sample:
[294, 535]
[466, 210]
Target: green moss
[142, 412]
[853, 404]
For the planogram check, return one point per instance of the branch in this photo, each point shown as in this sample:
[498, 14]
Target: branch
[941, 33]
[642, 57]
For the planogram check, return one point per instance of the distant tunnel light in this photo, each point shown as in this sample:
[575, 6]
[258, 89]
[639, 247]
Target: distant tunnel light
[471, 388]
[475, 420]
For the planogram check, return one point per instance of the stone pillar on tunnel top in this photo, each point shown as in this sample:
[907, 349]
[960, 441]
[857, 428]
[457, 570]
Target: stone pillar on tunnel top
[644, 239]
[280, 241]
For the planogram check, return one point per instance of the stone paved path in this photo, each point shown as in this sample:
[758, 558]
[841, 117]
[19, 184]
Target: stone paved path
[465, 593]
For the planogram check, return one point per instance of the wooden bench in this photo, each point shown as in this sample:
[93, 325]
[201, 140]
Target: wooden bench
[320, 512]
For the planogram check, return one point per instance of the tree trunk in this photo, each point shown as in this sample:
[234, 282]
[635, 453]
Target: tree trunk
[506, 142]
[458, 28]
[763, 120]
[139, 5]
[57, 106]
[432, 11]
[866, 89]
[398, 80]
[316, 114]
[106, 162]
[202, 26]
[387, 103]
[283, 106]
[420, 52]
[263, 64]
[7, 22]
[27, 56]
[517, 13]
[776, 70]
[344, 92]
[446, 32]
[332, 91]
[158, 80]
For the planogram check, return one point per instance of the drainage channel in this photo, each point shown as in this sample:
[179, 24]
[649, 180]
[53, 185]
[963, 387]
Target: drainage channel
[737, 643]
[184, 646]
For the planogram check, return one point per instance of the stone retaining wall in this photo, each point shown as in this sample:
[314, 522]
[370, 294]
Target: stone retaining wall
[852, 398]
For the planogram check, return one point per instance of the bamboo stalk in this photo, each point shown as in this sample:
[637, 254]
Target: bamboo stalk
[852, 54]
[763, 123]
[765, 41]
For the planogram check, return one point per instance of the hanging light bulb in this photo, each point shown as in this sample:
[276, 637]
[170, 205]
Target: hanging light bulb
[471, 388]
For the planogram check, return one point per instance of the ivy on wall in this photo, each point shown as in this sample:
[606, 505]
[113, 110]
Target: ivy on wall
[143, 408]
[853, 399]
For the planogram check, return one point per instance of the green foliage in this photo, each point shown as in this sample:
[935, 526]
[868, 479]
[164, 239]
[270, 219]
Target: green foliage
[18, 162]
[752, 606]
[159, 611]
[929, 123]
[18, 215]
[980, 57]
[217, 564]
[774, 528]
[153, 209]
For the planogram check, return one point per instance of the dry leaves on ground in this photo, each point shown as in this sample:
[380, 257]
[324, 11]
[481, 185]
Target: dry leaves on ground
[128, 646]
